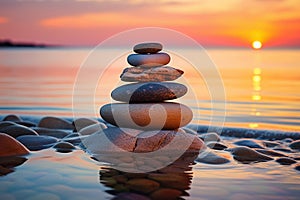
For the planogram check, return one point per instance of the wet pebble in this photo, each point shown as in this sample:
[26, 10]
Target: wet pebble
[211, 158]
[26, 123]
[283, 149]
[246, 154]
[55, 123]
[248, 143]
[270, 143]
[208, 137]
[51, 132]
[34, 142]
[216, 145]
[81, 123]
[6, 123]
[9, 146]
[288, 140]
[88, 130]
[271, 153]
[16, 130]
[64, 147]
[295, 145]
[142, 185]
[12, 118]
[286, 161]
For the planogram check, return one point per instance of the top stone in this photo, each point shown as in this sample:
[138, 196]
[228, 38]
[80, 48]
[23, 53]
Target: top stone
[145, 48]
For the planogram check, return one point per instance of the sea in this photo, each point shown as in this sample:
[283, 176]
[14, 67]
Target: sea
[257, 89]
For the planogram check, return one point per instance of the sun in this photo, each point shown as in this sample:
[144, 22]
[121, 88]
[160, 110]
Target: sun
[256, 44]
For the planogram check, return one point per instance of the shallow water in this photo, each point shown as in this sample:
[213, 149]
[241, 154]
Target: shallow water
[262, 92]
[51, 175]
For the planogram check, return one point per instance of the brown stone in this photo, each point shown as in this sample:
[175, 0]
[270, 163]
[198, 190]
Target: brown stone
[147, 116]
[55, 123]
[9, 146]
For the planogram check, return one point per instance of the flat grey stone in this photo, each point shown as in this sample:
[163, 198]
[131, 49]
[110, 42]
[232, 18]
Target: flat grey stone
[148, 92]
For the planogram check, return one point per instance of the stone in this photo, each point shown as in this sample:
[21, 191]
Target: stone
[130, 196]
[286, 161]
[147, 116]
[271, 153]
[6, 123]
[270, 143]
[34, 142]
[246, 154]
[92, 129]
[64, 147]
[283, 149]
[209, 137]
[148, 92]
[51, 132]
[248, 143]
[144, 186]
[287, 140]
[26, 123]
[81, 123]
[148, 60]
[211, 158]
[150, 141]
[166, 193]
[216, 145]
[9, 146]
[295, 145]
[17, 130]
[111, 140]
[73, 139]
[153, 74]
[149, 47]
[55, 123]
[12, 118]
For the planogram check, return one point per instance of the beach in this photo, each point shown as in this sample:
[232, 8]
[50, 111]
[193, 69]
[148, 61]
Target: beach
[250, 138]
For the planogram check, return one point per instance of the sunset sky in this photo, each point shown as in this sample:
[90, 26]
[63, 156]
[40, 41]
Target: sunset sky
[276, 23]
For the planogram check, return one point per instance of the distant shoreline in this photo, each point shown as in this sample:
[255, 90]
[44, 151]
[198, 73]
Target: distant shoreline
[10, 44]
[6, 43]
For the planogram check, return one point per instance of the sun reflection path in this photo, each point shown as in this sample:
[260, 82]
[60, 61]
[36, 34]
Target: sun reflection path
[256, 83]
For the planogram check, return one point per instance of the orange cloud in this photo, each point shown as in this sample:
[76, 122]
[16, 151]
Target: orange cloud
[3, 20]
[94, 20]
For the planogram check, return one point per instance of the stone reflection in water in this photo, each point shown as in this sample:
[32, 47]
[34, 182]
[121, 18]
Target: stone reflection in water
[170, 182]
[8, 163]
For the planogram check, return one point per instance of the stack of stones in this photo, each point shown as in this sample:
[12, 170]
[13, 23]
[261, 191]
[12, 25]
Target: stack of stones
[144, 105]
